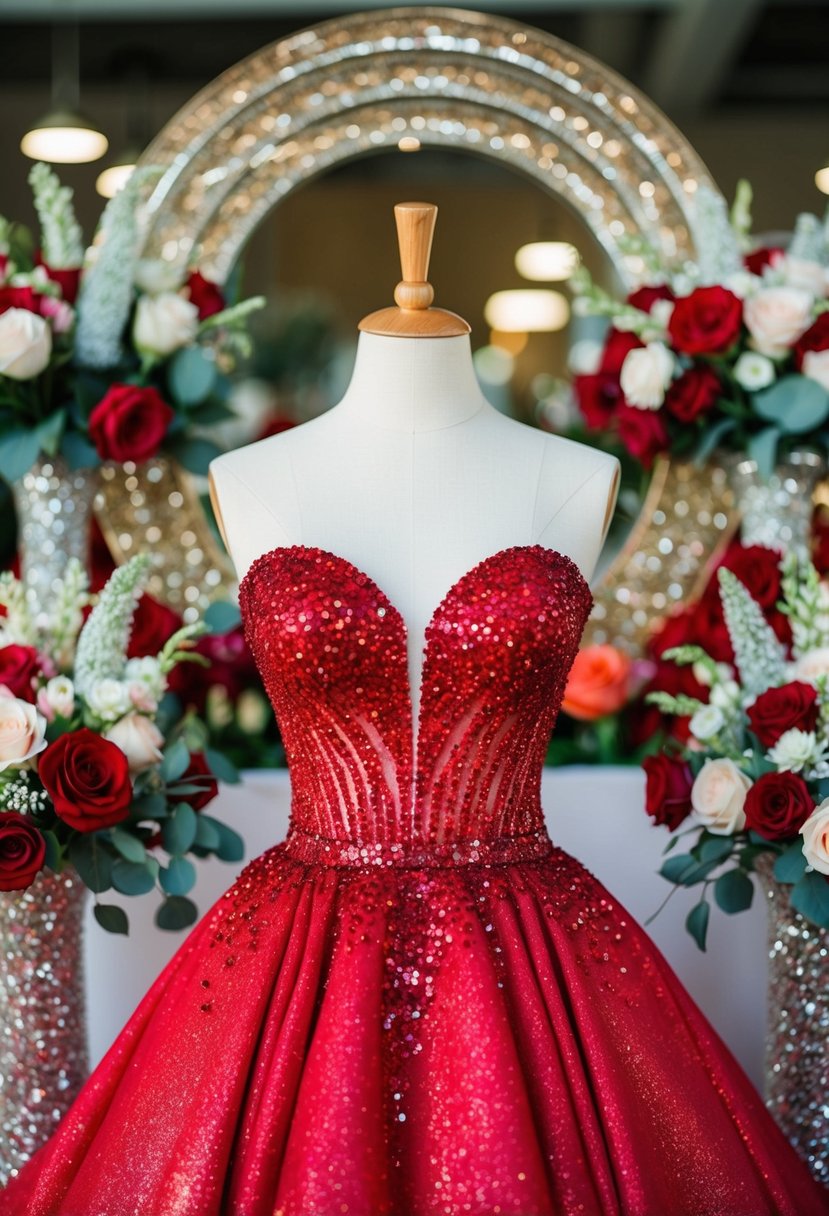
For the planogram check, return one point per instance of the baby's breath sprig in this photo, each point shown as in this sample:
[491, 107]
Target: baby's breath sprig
[17, 626]
[802, 604]
[760, 657]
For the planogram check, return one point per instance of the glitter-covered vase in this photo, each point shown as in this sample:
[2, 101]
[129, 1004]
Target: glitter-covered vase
[54, 510]
[777, 512]
[43, 1042]
[797, 1040]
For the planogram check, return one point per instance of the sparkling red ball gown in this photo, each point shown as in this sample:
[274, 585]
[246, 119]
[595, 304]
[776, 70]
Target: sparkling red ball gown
[416, 1003]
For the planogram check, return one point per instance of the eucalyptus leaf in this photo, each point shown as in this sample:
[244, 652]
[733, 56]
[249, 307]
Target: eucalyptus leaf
[716, 848]
[810, 897]
[221, 768]
[130, 848]
[92, 862]
[677, 866]
[18, 451]
[78, 452]
[762, 448]
[195, 454]
[795, 404]
[790, 866]
[112, 918]
[179, 877]
[177, 912]
[221, 616]
[178, 831]
[231, 846]
[191, 375]
[49, 432]
[176, 760]
[207, 836]
[697, 922]
[53, 851]
[711, 437]
[734, 891]
[132, 878]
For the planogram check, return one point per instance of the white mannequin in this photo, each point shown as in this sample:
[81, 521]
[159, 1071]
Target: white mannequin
[414, 477]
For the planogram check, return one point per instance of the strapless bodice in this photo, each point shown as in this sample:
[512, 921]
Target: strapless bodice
[332, 652]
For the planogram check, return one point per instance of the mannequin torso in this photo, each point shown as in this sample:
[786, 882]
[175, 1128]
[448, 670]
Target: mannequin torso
[414, 478]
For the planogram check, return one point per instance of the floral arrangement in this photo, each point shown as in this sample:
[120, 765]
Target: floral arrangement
[731, 352]
[104, 356]
[603, 687]
[96, 772]
[753, 771]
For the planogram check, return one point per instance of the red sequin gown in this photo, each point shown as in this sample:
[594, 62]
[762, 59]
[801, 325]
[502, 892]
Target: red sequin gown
[416, 1003]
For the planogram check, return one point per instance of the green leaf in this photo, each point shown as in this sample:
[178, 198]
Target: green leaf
[177, 912]
[810, 897]
[112, 918]
[92, 861]
[78, 452]
[734, 891]
[221, 768]
[795, 404]
[790, 866]
[710, 439]
[18, 452]
[191, 375]
[49, 432]
[716, 848]
[53, 851]
[231, 846]
[176, 760]
[179, 830]
[179, 877]
[150, 806]
[762, 448]
[128, 845]
[221, 616]
[697, 922]
[133, 878]
[194, 454]
[675, 867]
[207, 836]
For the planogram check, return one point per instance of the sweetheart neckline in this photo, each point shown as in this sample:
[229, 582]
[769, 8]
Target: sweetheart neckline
[389, 604]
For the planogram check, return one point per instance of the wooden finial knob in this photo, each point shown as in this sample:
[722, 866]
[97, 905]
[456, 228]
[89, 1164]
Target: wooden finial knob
[414, 317]
[415, 231]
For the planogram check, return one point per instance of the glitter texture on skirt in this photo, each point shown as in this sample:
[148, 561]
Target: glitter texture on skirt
[416, 1004]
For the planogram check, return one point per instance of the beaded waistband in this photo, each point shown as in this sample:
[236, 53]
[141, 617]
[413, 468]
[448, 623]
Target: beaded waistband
[494, 850]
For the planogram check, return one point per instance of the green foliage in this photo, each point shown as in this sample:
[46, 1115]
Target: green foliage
[810, 897]
[696, 922]
[734, 891]
[177, 912]
[112, 918]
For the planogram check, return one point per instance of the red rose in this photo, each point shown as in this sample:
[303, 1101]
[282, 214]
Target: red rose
[198, 773]
[129, 423]
[152, 626]
[758, 569]
[19, 297]
[792, 706]
[756, 261]
[643, 432]
[617, 347]
[68, 280]
[88, 780]
[600, 393]
[22, 851]
[816, 337]
[205, 295]
[706, 322]
[667, 790]
[644, 298]
[693, 393]
[778, 804]
[18, 667]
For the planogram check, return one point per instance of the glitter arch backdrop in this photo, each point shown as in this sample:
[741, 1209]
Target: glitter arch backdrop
[444, 78]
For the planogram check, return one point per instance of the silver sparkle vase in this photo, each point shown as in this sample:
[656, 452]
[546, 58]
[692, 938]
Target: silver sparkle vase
[797, 1038]
[777, 511]
[54, 512]
[43, 1042]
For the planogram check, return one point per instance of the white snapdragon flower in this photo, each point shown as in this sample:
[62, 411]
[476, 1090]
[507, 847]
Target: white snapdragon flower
[706, 722]
[725, 695]
[646, 373]
[145, 673]
[754, 371]
[796, 750]
[109, 699]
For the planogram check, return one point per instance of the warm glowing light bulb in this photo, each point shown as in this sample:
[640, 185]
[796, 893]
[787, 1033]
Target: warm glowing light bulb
[822, 179]
[64, 138]
[527, 311]
[547, 261]
[113, 179]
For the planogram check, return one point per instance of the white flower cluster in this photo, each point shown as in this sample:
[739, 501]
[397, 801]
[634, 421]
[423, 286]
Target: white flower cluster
[20, 795]
[60, 234]
[51, 628]
[102, 645]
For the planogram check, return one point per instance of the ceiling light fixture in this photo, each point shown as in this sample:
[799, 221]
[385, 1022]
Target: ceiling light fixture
[527, 311]
[64, 136]
[547, 261]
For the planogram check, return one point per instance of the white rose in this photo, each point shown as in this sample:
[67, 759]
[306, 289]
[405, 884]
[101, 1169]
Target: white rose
[815, 365]
[776, 317]
[22, 730]
[662, 311]
[109, 699]
[718, 795]
[815, 833]
[57, 698]
[808, 276]
[139, 739]
[584, 357]
[796, 749]
[164, 323]
[812, 664]
[156, 276]
[646, 373]
[741, 282]
[753, 371]
[25, 344]
[706, 722]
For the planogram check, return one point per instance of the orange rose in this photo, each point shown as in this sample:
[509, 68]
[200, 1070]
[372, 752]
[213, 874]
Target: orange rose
[599, 683]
